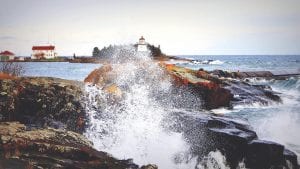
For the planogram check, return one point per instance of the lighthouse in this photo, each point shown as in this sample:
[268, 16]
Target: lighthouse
[142, 46]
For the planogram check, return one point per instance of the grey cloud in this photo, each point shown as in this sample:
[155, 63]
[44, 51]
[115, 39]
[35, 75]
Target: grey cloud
[7, 38]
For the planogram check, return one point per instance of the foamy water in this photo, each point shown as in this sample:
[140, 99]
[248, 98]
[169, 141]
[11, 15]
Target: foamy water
[132, 127]
[279, 122]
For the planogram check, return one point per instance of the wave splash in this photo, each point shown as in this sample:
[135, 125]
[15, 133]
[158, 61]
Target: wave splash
[131, 126]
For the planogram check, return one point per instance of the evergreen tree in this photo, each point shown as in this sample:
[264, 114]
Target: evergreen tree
[96, 52]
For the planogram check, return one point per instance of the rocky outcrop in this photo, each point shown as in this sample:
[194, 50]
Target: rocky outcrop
[245, 93]
[41, 102]
[209, 88]
[242, 75]
[234, 138]
[149, 166]
[219, 89]
[216, 89]
[21, 148]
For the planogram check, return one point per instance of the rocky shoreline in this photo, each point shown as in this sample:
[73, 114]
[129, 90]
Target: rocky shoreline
[41, 125]
[43, 102]
[42, 121]
[51, 148]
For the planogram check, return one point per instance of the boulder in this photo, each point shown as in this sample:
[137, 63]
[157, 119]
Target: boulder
[233, 137]
[209, 88]
[245, 93]
[100, 76]
[218, 89]
[149, 166]
[21, 148]
[264, 154]
[41, 101]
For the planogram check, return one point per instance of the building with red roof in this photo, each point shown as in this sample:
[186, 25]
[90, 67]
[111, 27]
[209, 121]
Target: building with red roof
[43, 52]
[6, 56]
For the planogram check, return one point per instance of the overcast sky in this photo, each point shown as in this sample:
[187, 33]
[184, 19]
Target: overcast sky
[179, 26]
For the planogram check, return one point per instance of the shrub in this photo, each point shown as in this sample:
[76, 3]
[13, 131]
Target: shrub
[12, 68]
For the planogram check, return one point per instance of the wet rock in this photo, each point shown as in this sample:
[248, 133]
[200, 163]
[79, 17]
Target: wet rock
[264, 154]
[207, 87]
[290, 158]
[221, 73]
[255, 74]
[149, 166]
[233, 137]
[245, 93]
[51, 148]
[41, 102]
[218, 89]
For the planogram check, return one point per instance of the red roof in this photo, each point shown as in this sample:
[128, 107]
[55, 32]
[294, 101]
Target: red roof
[7, 53]
[43, 47]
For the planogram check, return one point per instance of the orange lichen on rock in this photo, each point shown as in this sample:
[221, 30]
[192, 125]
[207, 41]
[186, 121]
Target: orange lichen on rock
[4, 76]
[98, 75]
[209, 88]
[113, 89]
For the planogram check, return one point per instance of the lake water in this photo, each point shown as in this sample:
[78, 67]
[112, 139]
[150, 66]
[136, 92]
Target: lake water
[274, 63]
[65, 70]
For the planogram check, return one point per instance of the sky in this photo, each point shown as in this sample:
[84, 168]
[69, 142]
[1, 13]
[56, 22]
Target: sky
[180, 27]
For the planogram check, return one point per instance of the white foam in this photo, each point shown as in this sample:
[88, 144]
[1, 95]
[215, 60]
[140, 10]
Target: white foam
[132, 127]
[216, 62]
[214, 160]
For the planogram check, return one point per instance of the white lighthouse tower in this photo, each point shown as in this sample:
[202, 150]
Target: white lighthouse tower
[142, 46]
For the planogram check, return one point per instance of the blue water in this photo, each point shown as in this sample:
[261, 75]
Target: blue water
[65, 70]
[276, 63]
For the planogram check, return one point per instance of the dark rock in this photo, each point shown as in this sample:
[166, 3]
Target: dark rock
[272, 96]
[255, 74]
[291, 159]
[213, 97]
[264, 154]
[51, 148]
[233, 137]
[221, 73]
[149, 166]
[245, 93]
[43, 102]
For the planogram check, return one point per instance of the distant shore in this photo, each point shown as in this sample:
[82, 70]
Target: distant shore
[93, 59]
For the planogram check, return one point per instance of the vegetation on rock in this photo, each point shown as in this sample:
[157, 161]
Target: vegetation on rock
[12, 68]
[41, 102]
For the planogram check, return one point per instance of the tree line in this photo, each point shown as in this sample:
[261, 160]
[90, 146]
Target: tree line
[108, 52]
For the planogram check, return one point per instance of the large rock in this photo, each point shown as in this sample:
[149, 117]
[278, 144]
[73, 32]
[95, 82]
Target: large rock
[41, 102]
[51, 148]
[245, 93]
[209, 88]
[232, 137]
[219, 89]
[216, 89]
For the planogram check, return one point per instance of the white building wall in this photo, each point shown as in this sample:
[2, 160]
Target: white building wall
[11, 57]
[48, 54]
[142, 48]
